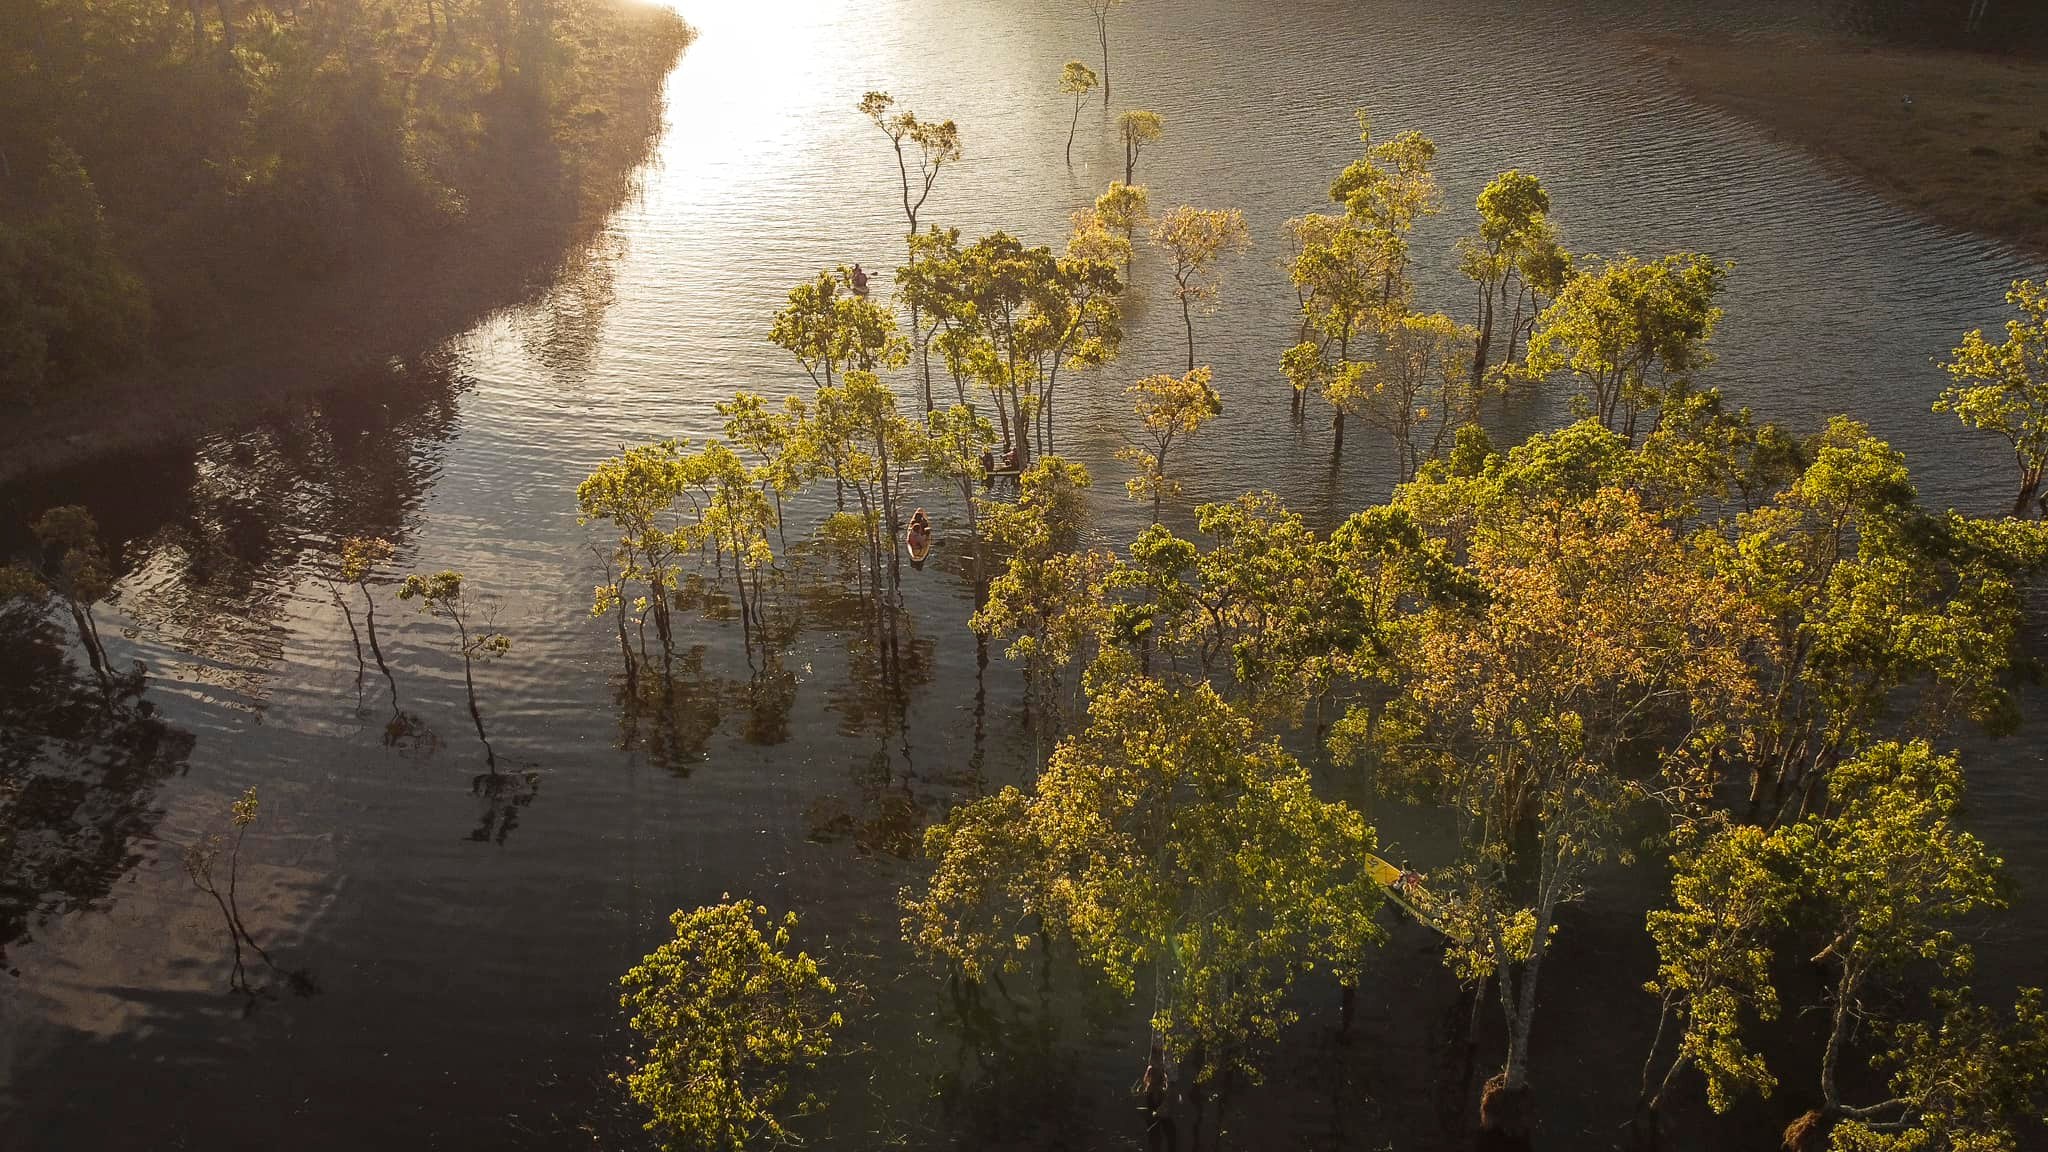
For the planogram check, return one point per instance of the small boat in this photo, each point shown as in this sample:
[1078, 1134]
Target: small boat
[919, 544]
[1405, 889]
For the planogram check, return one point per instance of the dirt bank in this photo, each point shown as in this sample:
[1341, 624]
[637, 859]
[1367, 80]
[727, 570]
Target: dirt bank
[1961, 137]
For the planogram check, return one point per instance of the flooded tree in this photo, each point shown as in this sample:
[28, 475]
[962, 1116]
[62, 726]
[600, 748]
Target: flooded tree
[1886, 873]
[1601, 646]
[1418, 384]
[1347, 276]
[1876, 611]
[1099, 10]
[1198, 238]
[73, 567]
[1169, 408]
[1122, 208]
[1132, 845]
[1631, 332]
[937, 144]
[441, 595]
[1078, 80]
[735, 517]
[1731, 893]
[2003, 389]
[1515, 262]
[360, 556]
[727, 1010]
[956, 441]
[1140, 129]
[200, 859]
[79, 767]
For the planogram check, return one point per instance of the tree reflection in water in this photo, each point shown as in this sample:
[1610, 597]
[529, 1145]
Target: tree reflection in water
[79, 770]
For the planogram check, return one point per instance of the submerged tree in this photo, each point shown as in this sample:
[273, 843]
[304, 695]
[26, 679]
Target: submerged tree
[360, 556]
[1888, 874]
[1601, 651]
[937, 144]
[1100, 10]
[1169, 408]
[1122, 208]
[1078, 80]
[1140, 129]
[441, 595]
[1198, 238]
[200, 859]
[1515, 261]
[1877, 613]
[1731, 891]
[637, 492]
[1419, 379]
[1631, 331]
[74, 567]
[1349, 277]
[726, 1011]
[1187, 862]
[2003, 389]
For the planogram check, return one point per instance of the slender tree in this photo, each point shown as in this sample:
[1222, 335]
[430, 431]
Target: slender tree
[1100, 10]
[1076, 79]
[1140, 129]
[441, 595]
[1632, 332]
[1198, 238]
[74, 566]
[936, 144]
[1169, 408]
[1122, 208]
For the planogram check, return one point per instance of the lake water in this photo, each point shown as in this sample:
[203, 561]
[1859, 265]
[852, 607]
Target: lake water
[466, 945]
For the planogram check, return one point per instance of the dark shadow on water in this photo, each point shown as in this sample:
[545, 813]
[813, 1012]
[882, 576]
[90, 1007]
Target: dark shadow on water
[79, 769]
[504, 796]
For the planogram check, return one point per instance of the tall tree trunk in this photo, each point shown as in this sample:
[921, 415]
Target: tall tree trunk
[1187, 319]
[1102, 33]
[1072, 128]
[2030, 485]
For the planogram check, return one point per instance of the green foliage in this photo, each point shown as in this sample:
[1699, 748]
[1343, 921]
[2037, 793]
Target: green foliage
[1731, 890]
[1630, 331]
[1134, 845]
[1169, 408]
[1864, 593]
[70, 306]
[1964, 1083]
[2003, 388]
[76, 566]
[726, 1012]
[167, 165]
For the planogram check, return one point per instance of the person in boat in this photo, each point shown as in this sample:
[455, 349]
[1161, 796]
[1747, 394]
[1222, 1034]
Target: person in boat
[920, 535]
[860, 280]
[988, 467]
[1013, 459]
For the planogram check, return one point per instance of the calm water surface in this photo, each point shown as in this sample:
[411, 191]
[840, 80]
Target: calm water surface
[465, 944]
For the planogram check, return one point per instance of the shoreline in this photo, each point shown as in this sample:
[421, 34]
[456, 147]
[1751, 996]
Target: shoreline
[411, 293]
[1959, 138]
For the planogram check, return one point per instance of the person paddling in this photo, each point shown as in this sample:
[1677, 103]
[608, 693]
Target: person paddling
[860, 280]
[919, 538]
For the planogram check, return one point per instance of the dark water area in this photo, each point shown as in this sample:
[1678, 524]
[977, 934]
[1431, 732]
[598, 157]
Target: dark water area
[465, 938]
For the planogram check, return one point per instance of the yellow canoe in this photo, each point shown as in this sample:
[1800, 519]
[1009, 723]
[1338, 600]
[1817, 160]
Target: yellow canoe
[1405, 889]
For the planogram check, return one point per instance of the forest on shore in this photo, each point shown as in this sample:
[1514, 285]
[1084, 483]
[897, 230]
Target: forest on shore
[185, 187]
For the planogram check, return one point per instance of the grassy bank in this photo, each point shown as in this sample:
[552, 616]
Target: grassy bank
[205, 220]
[1971, 149]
